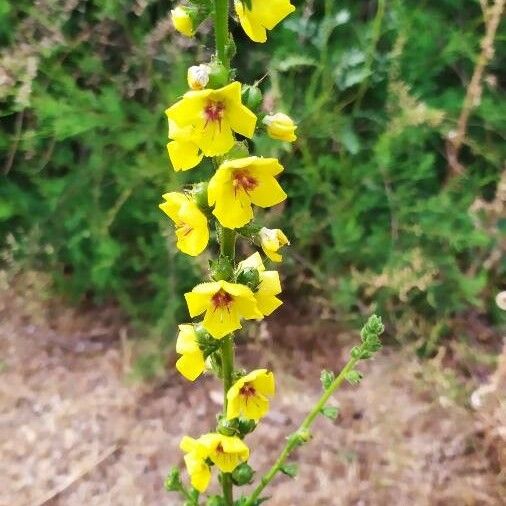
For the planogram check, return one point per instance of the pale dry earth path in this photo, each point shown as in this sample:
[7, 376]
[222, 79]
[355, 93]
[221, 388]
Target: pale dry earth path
[75, 431]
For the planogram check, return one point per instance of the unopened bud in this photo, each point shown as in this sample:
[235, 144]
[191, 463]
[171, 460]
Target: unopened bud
[182, 20]
[198, 76]
[218, 75]
[280, 127]
[251, 96]
[243, 474]
[271, 240]
[199, 192]
[249, 277]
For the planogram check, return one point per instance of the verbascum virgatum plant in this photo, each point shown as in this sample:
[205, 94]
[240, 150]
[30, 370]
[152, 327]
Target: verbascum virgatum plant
[215, 119]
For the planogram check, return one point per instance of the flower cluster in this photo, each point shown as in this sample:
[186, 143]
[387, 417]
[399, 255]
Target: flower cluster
[217, 118]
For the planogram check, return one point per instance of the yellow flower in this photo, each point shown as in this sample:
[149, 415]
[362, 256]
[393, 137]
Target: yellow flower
[248, 396]
[271, 240]
[268, 287]
[280, 127]
[183, 152]
[182, 21]
[198, 76]
[224, 305]
[262, 15]
[213, 115]
[239, 183]
[191, 364]
[227, 452]
[191, 224]
[195, 460]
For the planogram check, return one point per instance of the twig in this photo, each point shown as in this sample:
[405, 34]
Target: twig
[492, 16]
[76, 476]
[14, 147]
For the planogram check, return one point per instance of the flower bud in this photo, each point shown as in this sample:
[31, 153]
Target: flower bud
[227, 427]
[198, 76]
[173, 480]
[249, 277]
[500, 300]
[251, 96]
[218, 74]
[182, 20]
[280, 127]
[199, 192]
[242, 474]
[245, 426]
[271, 240]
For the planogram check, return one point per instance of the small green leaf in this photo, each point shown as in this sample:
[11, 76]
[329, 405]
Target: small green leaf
[353, 377]
[326, 377]
[330, 412]
[289, 469]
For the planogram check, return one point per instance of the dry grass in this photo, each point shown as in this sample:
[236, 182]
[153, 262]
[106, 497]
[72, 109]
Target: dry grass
[74, 431]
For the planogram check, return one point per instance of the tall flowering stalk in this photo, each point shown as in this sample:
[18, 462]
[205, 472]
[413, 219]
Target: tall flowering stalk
[215, 119]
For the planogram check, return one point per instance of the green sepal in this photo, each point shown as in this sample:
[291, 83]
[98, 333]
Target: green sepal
[330, 412]
[289, 469]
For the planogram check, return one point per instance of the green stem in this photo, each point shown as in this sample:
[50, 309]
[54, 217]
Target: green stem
[227, 358]
[227, 238]
[293, 441]
[221, 30]
[227, 243]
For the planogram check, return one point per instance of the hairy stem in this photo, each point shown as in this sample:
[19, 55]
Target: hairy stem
[300, 434]
[227, 248]
[226, 237]
[227, 358]
[221, 30]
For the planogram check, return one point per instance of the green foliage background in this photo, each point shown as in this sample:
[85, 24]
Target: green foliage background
[375, 222]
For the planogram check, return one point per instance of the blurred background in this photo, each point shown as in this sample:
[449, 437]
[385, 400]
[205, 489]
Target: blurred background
[396, 205]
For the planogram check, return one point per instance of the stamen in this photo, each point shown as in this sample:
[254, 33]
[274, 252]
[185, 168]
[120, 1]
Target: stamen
[222, 299]
[243, 180]
[213, 112]
[248, 390]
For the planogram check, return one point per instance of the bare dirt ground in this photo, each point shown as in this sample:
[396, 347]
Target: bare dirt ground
[75, 431]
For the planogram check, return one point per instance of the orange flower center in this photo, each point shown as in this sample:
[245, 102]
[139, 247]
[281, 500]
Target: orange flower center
[214, 111]
[222, 299]
[243, 180]
[247, 390]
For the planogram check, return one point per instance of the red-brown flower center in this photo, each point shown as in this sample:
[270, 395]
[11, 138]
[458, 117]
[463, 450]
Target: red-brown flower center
[247, 390]
[222, 299]
[219, 448]
[214, 111]
[242, 179]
